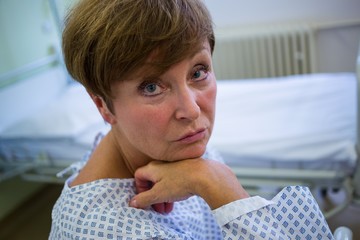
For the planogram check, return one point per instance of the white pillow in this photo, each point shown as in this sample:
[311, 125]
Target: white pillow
[30, 94]
[67, 116]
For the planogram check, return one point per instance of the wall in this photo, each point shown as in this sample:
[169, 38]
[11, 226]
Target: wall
[337, 46]
[30, 36]
[234, 12]
[27, 32]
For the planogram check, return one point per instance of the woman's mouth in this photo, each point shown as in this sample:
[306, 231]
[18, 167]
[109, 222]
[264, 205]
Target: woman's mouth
[193, 136]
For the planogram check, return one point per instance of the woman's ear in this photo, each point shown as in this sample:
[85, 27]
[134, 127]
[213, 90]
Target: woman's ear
[107, 115]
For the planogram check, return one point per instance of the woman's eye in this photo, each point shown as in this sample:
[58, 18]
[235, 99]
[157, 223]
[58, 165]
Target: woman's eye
[151, 89]
[200, 73]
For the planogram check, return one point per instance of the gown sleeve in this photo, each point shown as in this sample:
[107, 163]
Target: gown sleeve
[291, 214]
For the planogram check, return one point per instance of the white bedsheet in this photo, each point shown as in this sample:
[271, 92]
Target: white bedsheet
[62, 131]
[298, 121]
[304, 121]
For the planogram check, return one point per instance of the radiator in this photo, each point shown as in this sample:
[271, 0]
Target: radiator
[269, 51]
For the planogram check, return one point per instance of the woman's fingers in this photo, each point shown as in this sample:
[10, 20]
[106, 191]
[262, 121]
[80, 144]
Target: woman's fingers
[151, 197]
[160, 182]
[163, 207]
[143, 183]
[158, 185]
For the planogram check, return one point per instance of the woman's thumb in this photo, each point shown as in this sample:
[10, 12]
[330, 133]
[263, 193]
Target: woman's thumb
[145, 199]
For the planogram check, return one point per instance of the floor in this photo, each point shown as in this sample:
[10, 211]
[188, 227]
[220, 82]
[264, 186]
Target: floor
[350, 217]
[33, 219]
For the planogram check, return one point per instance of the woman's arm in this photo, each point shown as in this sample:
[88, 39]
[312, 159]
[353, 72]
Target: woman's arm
[166, 182]
[292, 214]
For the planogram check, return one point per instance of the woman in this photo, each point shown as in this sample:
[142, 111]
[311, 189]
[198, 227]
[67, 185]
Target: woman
[147, 66]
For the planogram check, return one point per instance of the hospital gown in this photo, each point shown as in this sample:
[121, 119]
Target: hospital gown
[100, 210]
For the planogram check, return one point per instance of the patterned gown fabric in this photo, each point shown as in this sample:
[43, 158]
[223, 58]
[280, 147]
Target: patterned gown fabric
[100, 210]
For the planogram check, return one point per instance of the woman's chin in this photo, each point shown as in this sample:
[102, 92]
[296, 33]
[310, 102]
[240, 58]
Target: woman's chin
[190, 153]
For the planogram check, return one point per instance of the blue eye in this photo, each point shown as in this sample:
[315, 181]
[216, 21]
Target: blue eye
[200, 72]
[197, 74]
[150, 89]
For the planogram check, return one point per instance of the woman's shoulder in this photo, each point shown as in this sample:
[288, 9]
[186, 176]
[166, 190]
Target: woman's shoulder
[116, 185]
[93, 196]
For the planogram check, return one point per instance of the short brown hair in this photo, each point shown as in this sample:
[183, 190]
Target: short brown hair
[105, 40]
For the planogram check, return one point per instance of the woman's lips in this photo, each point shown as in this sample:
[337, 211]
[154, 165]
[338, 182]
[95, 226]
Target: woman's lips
[193, 137]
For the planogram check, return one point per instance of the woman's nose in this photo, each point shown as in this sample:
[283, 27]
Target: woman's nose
[186, 105]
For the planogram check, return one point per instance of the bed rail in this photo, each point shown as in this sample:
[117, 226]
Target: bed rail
[9, 170]
[272, 181]
[357, 172]
[358, 95]
[15, 75]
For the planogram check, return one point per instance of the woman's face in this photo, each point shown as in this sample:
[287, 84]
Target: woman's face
[168, 117]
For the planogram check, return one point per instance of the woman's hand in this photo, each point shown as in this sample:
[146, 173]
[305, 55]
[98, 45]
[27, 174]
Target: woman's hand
[166, 182]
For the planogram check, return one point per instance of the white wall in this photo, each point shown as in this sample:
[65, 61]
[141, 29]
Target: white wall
[234, 12]
[27, 32]
[337, 47]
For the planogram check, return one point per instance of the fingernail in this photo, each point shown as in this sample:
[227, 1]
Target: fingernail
[133, 203]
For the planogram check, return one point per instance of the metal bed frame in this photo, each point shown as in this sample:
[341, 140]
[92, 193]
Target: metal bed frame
[323, 180]
[256, 181]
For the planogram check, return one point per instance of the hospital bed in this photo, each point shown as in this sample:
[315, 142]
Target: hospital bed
[295, 130]
[273, 132]
[47, 123]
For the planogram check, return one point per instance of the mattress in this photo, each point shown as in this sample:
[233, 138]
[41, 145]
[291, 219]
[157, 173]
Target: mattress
[61, 132]
[306, 121]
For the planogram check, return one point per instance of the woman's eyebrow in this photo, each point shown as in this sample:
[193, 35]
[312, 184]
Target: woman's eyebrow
[200, 51]
[150, 74]
[151, 78]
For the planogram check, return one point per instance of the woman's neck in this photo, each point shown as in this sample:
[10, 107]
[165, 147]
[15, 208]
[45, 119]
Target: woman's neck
[107, 161]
